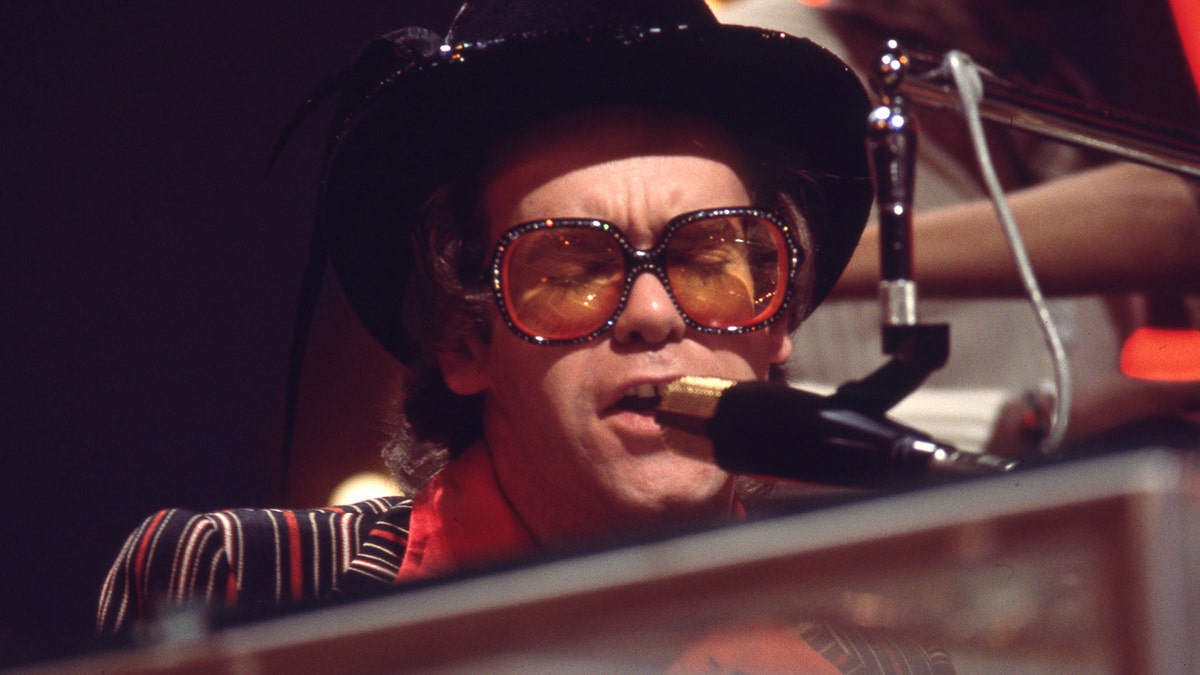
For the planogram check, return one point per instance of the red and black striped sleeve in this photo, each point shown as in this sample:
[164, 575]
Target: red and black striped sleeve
[246, 559]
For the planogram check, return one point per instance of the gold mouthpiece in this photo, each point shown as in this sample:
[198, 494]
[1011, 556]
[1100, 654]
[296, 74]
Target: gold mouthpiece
[686, 407]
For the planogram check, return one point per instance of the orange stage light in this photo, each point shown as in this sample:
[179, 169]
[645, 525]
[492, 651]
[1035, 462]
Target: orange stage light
[1167, 354]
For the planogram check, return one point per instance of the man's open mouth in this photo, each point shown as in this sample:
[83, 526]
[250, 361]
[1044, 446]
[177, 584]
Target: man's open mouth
[643, 398]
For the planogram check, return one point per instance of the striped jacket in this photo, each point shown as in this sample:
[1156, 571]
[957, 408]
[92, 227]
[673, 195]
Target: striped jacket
[252, 559]
[257, 560]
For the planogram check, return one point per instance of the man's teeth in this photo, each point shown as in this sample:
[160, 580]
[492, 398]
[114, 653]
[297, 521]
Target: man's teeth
[645, 390]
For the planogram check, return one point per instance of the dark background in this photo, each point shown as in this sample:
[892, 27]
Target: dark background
[149, 265]
[149, 268]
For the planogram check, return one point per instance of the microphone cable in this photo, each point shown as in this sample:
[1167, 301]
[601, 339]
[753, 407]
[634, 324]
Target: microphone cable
[970, 89]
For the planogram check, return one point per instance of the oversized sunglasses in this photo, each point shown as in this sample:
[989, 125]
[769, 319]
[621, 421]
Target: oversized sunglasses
[566, 280]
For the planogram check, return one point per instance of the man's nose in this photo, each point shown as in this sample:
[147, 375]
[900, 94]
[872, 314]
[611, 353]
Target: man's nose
[649, 315]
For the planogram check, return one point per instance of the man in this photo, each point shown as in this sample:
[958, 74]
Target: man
[546, 217]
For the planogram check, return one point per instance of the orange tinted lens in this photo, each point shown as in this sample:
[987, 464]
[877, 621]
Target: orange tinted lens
[562, 282]
[728, 271]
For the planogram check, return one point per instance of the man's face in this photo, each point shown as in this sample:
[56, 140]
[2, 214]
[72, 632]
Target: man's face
[574, 452]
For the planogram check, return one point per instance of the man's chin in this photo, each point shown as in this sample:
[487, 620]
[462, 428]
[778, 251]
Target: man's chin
[704, 495]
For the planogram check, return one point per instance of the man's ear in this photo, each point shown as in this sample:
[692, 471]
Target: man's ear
[781, 343]
[464, 368]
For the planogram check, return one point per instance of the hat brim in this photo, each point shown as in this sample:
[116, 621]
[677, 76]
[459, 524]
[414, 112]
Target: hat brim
[784, 98]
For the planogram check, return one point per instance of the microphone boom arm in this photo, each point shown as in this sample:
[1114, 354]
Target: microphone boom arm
[1124, 134]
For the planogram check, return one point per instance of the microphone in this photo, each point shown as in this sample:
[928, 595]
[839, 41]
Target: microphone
[773, 430]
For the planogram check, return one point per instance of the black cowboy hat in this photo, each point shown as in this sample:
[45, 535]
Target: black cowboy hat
[416, 109]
